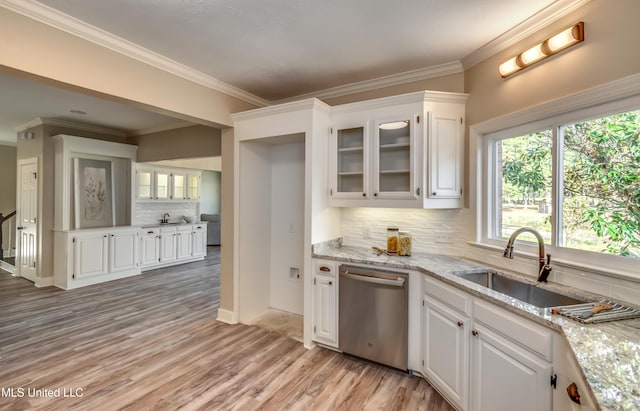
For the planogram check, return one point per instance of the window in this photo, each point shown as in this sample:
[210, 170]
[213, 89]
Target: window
[576, 182]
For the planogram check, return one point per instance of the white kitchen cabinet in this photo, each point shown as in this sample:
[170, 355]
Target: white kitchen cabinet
[162, 185]
[123, 250]
[325, 303]
[482, 357]
[505, 376]
[384, 152]
[92, 256]
[178, 185]
[184, 242]
[145, 184]
[199, 240]
[167, 184]
[445, 151]
[446, 353]
[168, 244]
[149, 247]
[193, 186]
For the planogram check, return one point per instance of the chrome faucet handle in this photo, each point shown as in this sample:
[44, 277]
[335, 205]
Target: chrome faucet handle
[508, 251]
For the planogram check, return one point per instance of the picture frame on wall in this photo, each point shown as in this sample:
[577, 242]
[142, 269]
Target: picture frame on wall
[93, 190]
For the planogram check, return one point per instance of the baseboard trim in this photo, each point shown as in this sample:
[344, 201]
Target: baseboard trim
[226, 316]
[8, 267]
[44, 282]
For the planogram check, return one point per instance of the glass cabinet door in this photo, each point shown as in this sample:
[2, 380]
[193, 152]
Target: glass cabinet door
[179, 189]
[394, 165]
[144, 184]
[193, 187]
[351, 162]
[162, 185]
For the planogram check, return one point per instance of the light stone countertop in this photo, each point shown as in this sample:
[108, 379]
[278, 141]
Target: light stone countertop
[608, 353]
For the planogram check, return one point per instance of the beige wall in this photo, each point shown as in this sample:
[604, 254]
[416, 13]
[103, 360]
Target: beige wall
[7, 188]
[71, 62]
[227, 226]
[609, 52]
[185, 142]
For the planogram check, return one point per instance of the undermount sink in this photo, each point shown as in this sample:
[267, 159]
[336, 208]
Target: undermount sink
[520, 290]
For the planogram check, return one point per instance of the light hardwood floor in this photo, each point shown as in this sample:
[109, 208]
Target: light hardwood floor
[152, 342]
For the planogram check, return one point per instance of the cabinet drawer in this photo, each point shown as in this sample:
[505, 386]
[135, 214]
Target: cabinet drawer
[535, 337]
[324, 268]
[448, 295]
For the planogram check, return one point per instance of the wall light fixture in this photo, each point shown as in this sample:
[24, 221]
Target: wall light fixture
[555, 44]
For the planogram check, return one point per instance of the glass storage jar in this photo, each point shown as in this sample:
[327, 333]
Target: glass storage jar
[404, 243]
[392, 240]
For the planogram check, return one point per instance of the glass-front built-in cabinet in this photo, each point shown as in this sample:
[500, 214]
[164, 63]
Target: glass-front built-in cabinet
[394, 164]
[144, 184]
[164, 184]
[374, 161]
[352, 162]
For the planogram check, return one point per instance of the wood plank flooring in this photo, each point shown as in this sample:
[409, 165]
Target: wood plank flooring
[152, 343]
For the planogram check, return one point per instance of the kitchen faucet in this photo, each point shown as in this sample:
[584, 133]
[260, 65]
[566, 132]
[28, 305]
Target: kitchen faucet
[544, 268]
[165, 218]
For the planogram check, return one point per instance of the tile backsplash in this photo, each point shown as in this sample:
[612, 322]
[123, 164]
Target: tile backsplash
[151, 212]
[433, 231]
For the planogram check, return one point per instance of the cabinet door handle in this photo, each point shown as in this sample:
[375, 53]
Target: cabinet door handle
[460, 323]
[474, 333]
[364, 194]
[330, 282]
[434, 194]
[418, 191]
[375, 194]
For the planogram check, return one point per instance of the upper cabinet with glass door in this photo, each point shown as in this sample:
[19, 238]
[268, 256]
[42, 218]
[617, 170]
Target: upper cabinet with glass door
[351, 161]
[383, 152]
[166, 184]
[394, 159]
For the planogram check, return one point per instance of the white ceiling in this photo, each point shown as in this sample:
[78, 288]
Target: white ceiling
[276, 49]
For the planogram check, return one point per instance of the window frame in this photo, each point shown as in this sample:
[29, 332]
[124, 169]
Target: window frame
[616, 97]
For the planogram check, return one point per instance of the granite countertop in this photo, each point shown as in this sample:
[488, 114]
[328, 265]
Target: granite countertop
[154, 225]
[608, 353]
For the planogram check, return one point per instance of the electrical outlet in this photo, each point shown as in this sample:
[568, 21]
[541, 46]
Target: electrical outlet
[443, 237]
[294, 273]
[366, 232]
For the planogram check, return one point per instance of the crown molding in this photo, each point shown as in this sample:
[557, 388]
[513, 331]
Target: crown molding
[54, 18]
[70, 124]
[520, 32]
[453, 67]
[298, 105]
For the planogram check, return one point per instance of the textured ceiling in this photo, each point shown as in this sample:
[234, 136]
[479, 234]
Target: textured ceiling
[278, 49]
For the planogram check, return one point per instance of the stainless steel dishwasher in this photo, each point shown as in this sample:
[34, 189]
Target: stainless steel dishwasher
[373, 314]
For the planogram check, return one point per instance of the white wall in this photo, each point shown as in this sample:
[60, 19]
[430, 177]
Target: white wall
[210, 192]
[287, 225]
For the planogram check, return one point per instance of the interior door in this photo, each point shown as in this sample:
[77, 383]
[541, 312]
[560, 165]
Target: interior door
[27, 219]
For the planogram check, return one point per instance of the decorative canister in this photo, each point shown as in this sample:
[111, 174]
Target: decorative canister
[404, 243]
[392, 240]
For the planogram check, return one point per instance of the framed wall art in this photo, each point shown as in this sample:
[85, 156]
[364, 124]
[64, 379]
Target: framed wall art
[93, 193]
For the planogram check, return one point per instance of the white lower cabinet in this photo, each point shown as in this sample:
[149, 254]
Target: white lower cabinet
[325, 303]
[482, 357]
[92, 256]
[505, 376]
[446, 354]
[199, 240]
[184, 243]
[149, 247]
[170, 245]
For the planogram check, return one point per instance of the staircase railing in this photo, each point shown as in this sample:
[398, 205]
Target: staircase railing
[7, 234]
